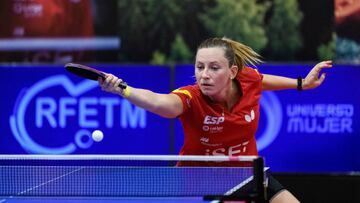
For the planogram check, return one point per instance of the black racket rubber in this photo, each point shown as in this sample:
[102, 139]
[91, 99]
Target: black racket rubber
[88, 73]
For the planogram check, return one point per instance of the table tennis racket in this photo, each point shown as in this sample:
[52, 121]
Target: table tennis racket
[88, 73]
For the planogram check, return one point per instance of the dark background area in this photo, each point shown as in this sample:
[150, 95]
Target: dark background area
[317, 26]
[312, 187]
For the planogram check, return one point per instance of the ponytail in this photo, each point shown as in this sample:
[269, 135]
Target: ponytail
[243, 55]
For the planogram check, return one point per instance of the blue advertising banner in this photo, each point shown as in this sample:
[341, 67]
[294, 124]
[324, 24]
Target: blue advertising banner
[45, 110]
[314, 130]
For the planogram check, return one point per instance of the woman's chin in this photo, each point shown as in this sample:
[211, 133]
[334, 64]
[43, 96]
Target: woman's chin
[207, 92]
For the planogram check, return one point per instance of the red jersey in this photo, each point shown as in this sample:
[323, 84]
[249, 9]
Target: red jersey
[210, 129]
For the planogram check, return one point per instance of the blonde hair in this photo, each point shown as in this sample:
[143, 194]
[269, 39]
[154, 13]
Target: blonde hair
[235, 52]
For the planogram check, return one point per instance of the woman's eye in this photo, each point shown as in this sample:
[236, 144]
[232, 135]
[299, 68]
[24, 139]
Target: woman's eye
[214, 68]
[200, 67]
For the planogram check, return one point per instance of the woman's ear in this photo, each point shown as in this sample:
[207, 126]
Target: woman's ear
[234, 70]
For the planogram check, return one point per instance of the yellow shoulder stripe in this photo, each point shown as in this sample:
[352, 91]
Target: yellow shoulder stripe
[187, 93]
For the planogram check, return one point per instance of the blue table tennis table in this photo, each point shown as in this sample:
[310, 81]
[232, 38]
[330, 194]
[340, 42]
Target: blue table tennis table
[78, 182]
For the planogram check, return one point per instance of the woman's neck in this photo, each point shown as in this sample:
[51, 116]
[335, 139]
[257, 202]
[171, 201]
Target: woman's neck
[229, 96]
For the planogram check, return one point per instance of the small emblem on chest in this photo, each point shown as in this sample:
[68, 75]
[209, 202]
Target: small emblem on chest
[250, 117]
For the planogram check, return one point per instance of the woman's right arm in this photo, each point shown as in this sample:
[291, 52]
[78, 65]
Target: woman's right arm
[165, 105]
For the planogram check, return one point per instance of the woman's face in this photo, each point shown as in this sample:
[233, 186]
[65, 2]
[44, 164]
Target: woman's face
[212, 71]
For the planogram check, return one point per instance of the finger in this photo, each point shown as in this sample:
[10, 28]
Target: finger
[317, 69]
[117, 83]
[322, 78]
[113, 82]
[108, 79]
[321, 65]
[114, 79]
[329, 64]
[326, 64]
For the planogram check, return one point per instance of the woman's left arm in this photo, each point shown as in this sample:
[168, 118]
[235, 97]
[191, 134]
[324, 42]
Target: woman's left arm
[312, 80]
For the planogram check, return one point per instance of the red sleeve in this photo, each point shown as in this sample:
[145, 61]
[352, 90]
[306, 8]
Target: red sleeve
[250, 74]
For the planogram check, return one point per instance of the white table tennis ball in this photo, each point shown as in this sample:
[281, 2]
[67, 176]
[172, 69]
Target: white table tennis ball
[97, 135]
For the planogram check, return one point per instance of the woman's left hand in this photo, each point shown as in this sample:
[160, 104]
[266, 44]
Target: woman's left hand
[313, 80]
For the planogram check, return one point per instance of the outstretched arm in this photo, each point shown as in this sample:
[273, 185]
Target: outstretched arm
[166, 105]
[312, 80]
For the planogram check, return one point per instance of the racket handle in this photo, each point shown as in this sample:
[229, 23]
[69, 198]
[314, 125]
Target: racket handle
[123, 85]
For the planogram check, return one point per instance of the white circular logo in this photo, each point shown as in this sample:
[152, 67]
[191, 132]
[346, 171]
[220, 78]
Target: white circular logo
[205, 128]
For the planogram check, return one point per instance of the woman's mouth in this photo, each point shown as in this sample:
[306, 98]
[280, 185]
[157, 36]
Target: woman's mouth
[206, 85]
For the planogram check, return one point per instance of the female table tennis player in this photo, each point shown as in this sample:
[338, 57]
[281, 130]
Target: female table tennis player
[220, 113]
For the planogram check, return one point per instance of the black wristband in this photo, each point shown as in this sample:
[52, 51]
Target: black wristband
[299, 83]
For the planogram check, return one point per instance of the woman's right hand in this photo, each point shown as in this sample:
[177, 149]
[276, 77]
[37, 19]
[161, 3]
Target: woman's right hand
[111, 84]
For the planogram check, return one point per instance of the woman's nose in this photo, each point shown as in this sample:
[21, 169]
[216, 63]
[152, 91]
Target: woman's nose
[205, 73]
